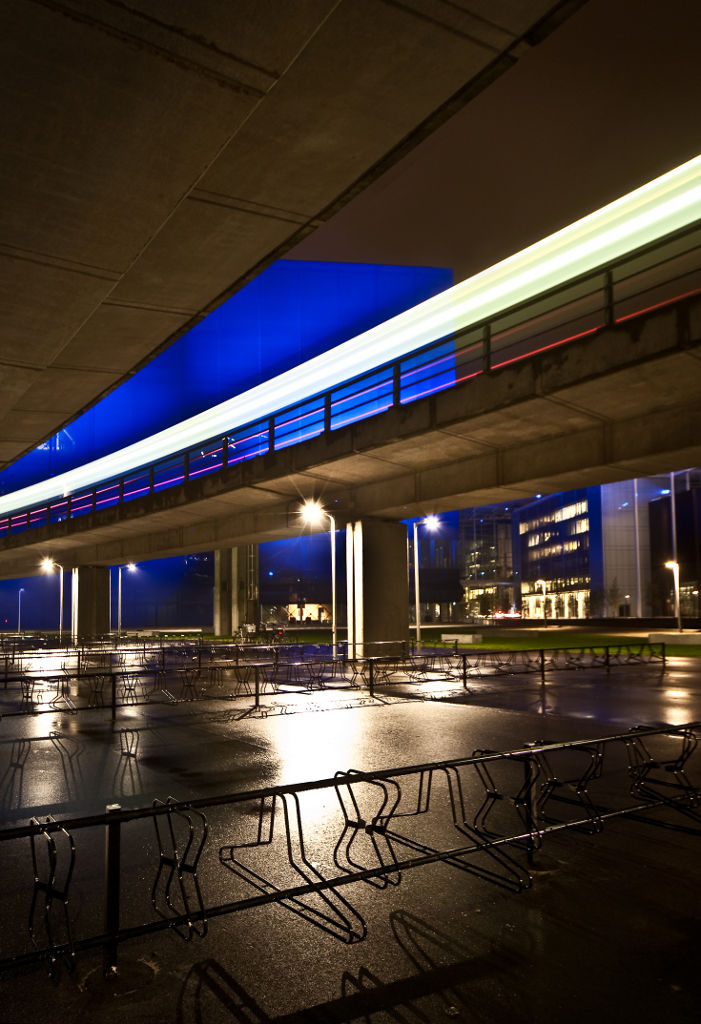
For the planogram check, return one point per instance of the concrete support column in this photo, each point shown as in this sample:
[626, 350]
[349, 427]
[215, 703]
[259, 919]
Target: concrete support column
[236, 592]
[90, 601]
[377, 583]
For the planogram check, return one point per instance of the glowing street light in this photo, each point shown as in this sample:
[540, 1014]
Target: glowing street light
[19, 609]
[431, 523]
[542, 585]
[674, 566]
[130, 567]
[48, 565]
[313, 513]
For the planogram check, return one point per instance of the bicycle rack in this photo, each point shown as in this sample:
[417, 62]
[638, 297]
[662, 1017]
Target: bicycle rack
[129, 742]
[377, 826]
[650, 774]
[178, 864]
[47, 892]
[360, 829]
[332, 912]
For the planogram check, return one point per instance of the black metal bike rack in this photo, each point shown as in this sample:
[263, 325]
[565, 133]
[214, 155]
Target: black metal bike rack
[386, 823]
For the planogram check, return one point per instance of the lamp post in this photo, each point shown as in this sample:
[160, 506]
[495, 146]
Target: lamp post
[432, 523]
[48, 565]
[541, 584]
[674, 566]
[130, 566]
[19, 609]
[313, 513]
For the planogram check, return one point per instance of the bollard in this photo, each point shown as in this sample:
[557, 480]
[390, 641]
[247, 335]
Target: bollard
[371, 677]
[464, 669]
[256, 676]
[542, 666]
[113, 677]
[113, 838]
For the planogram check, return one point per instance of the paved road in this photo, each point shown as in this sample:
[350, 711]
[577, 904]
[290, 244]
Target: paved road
[608, 930]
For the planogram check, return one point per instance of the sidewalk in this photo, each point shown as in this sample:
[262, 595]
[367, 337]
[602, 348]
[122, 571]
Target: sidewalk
[608, 930]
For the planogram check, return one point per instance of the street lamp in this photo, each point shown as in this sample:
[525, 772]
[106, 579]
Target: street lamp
[541, 584]
[674, 566]
[48, 565]
[19, 609]
[431, 523]
[131, 567]
[313, 513]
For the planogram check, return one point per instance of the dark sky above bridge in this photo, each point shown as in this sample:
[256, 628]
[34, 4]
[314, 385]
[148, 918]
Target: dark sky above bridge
[608, 102]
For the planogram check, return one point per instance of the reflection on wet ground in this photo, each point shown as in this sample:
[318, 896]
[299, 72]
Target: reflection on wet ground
[606, 931]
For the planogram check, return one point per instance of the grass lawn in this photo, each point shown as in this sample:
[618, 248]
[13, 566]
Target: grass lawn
[512, 639]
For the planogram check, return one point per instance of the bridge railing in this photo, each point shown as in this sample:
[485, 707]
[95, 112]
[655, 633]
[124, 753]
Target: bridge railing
[667, 272]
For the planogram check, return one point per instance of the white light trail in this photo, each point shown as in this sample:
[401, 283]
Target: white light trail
[656, 209]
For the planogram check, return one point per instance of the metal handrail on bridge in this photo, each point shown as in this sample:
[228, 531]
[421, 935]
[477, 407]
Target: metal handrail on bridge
[659, 274]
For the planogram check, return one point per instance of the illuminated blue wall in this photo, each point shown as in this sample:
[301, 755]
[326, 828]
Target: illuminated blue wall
[289, 313]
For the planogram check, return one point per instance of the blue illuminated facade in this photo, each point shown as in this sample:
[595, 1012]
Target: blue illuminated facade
[290, 313]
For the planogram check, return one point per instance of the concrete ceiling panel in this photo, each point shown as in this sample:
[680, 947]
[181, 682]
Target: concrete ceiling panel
[397, 67]
[101, 138]
[15, 380]
[112, 340]
[43, 305]
[52, 393]
[491, 22]
[205, 246]
[157, 154]
[240, 32]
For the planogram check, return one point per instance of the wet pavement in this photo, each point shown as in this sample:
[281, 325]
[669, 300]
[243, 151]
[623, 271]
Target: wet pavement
[609, 929]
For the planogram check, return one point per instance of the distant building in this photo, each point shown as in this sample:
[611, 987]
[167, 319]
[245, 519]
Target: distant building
[486, 545]
[601, 551]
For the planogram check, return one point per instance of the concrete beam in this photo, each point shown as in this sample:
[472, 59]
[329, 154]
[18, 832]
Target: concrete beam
[624, 402]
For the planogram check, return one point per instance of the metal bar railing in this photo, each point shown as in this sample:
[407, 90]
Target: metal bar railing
[476, 814]
[95, 678]
[666, 272]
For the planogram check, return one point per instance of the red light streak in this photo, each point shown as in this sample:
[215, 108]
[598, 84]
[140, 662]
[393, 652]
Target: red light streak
[658, 305]
[545, 348]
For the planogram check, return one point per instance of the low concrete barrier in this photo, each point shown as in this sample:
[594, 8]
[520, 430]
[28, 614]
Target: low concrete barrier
[675, 638]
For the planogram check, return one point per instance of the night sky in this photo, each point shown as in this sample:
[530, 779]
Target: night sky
[608, 102]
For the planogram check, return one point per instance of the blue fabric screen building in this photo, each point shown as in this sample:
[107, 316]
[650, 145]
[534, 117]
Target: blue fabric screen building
[289, 313]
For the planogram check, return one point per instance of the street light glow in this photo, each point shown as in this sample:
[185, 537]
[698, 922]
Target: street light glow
[431, 523]
[48, 565]
[314, 513]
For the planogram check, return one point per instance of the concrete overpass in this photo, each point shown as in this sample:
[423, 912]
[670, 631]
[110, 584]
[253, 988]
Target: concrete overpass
[623, 402]
[154, 157]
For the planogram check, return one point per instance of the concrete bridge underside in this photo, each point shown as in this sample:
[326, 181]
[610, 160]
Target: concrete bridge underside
[622, 403]
[155, 157]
